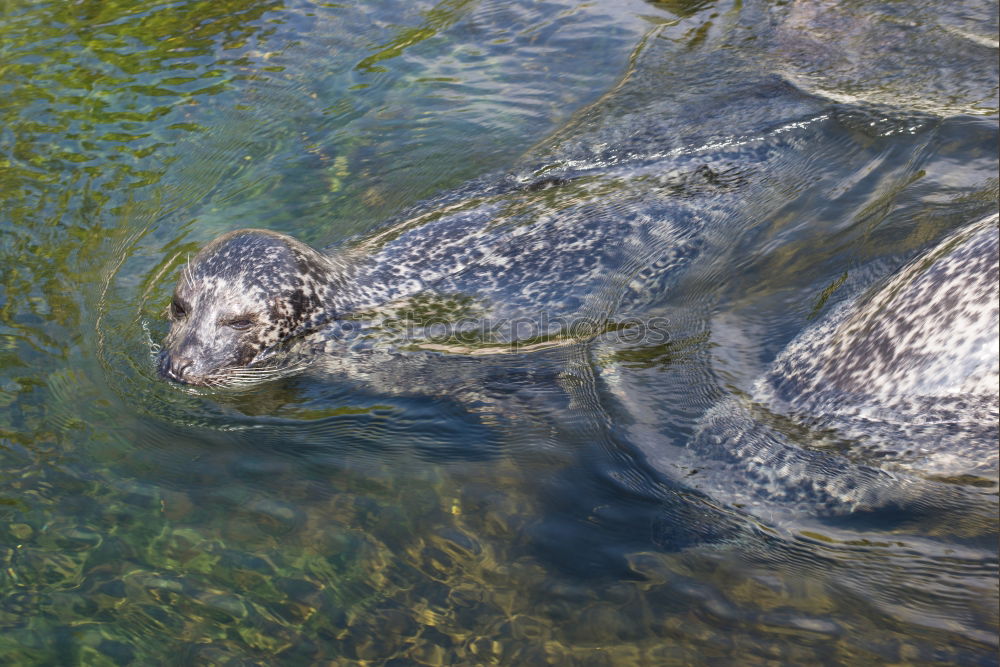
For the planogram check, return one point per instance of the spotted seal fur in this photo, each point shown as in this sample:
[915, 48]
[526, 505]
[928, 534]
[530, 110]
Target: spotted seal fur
[892, 394]
[918, 355]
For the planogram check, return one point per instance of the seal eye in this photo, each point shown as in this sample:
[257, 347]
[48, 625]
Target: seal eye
[239, 324]
[177, 310]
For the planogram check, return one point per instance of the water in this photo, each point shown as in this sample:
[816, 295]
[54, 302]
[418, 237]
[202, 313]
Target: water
[530, 517]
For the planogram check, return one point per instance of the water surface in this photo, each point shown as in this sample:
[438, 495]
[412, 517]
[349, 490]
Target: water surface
[533, 521]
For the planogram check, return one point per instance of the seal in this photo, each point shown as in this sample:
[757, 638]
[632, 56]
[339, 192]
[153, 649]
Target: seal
[890, 401]
[538, 256]
[916, 362]
[537, 263]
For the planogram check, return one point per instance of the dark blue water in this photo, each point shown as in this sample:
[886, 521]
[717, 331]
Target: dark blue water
[454, 508]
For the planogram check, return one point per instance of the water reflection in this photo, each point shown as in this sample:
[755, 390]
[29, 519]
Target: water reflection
[525, 516]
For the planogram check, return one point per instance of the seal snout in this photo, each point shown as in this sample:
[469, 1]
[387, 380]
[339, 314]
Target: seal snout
[175, 368]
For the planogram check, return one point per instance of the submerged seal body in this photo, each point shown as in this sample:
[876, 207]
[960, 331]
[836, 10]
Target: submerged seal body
[889, 401]
[911, 370]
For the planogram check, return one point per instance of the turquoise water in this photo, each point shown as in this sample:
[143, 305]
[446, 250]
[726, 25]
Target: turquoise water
[316, 520]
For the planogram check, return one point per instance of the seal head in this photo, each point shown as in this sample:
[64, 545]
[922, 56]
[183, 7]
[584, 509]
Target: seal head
[239, 305]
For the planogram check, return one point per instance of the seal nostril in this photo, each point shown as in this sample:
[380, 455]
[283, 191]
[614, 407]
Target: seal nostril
[182, 368]
[175, 368]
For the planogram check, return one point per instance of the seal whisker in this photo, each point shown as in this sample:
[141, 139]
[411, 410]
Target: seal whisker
[186, 272]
